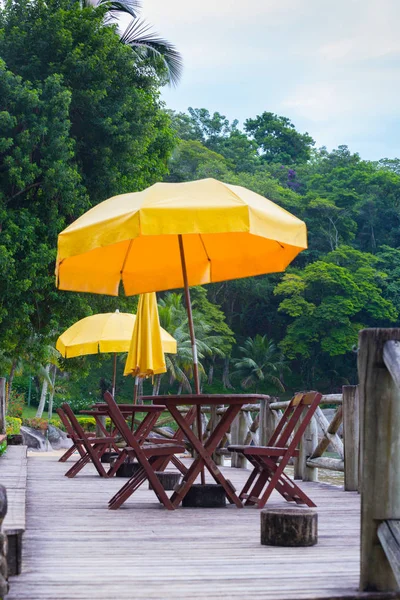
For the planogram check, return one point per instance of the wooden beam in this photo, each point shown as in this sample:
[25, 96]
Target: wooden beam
[329, 430]
[351, 436]
[2, 404]
[324, 462]
[380, 443]
[389, 536]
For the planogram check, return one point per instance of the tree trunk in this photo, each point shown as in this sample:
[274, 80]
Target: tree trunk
[211, 372]
[51, 397]
[157, 384]
[10, 381]
[43, 395]
[225, 375]
[180, 388]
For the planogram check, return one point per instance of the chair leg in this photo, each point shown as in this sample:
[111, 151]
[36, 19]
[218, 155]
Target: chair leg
[67, 454]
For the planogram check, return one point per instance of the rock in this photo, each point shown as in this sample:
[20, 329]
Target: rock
[58, 438]
[35, 439]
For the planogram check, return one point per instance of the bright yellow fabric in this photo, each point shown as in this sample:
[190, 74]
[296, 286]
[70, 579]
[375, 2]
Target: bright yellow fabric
[228, 232]
[146, 356]
[105, 332]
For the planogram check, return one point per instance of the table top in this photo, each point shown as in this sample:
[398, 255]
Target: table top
[210, 399]
[101, 407]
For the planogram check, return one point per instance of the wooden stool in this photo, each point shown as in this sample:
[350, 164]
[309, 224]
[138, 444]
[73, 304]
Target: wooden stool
[289, 527]
[207, 495]
[168, 479]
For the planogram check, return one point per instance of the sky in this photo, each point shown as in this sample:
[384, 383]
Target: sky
[332, 67]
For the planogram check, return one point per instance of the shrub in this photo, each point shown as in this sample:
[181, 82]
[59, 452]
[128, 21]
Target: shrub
[87, 423]
[57, 423]
[13, 425]
[3, 447]
[36, 423]
[16, 405]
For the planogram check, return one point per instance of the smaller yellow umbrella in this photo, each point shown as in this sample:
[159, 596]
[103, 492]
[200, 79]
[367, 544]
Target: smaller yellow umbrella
[105, 332]
[146, 353]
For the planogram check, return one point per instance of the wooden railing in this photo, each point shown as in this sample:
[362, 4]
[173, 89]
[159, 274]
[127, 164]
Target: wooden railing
[256, 423]
[379, 390]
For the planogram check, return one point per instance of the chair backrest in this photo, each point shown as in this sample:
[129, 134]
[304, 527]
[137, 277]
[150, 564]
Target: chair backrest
[119, 420]
[76, 426]
[291, 417]
[67, 424]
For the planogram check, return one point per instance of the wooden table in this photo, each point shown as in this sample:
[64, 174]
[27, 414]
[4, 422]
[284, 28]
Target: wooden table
[152, 413]
[205, 450]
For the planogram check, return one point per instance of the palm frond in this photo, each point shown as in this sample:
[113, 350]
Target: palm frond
[116, 7]
[148, 45]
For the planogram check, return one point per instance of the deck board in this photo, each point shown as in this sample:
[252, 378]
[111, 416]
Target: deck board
[76, 549]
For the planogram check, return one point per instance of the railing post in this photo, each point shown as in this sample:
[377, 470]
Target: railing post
[2, 405]
[380, 443]
[308, 443]
[267, 423]
[351, 437]
[238, 435]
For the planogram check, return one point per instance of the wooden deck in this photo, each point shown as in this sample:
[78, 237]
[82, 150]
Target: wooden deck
[75, 548]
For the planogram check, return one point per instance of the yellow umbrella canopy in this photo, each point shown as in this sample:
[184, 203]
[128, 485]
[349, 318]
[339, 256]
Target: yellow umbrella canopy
[227, 232]
[105, 332]
[146, 352]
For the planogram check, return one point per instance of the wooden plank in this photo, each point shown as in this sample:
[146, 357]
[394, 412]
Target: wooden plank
[13, 475]
[389, 536]
[79, 550]
[351, 436]
[380, 410]
[329, 430]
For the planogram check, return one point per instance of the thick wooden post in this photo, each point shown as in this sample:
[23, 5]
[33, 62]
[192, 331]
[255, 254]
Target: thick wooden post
[308, 443]
[351, 436]
[238, 435]
[267, 424]
[2, 405]
[380, 443]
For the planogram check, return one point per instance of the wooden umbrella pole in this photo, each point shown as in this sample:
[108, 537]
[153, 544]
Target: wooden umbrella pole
[114, 375]
[193, 341]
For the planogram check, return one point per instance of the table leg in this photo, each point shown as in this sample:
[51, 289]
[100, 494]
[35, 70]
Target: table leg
[204, 457]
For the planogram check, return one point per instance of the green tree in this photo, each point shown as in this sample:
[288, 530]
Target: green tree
[261, 365]
[278, 140]
[329, 301]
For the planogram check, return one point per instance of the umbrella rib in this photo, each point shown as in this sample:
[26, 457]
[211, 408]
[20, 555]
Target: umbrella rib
[126, 257]
[206, 253]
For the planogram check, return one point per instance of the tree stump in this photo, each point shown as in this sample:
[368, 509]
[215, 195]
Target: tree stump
[208, 495]
[289, 527]
[107, 457]
[167, 479]
[127, 469]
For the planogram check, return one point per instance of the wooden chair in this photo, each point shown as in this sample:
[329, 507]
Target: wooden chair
[90, 448]
[149, 456]
[76, 445]
[270, 461]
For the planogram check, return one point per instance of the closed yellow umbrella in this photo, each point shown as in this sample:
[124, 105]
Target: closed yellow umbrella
[105, 332]
[146, 352]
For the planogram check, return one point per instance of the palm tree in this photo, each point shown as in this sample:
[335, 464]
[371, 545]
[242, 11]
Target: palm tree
[261, 363]
[174, 319]
[147, 46]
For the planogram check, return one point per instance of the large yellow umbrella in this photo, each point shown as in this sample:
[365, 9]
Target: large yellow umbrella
[105, 332]
[175, 235]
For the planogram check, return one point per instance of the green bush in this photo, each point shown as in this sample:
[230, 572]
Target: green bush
[57, 423]
[87, 423]
[13, 425]
[16, 405]
[36, 423]
[3, 447]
